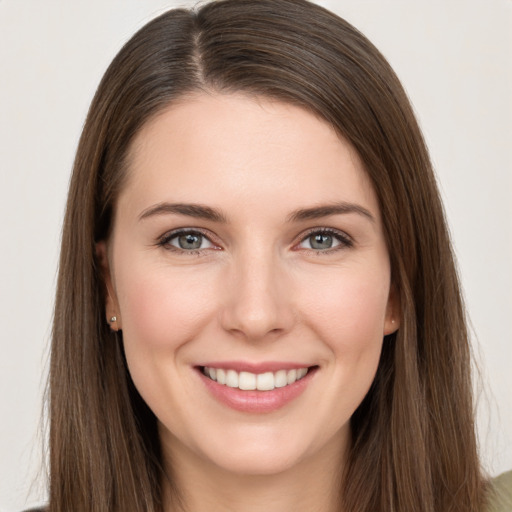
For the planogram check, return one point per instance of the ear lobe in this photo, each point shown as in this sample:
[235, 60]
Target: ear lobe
[112, 313]
[393, 312]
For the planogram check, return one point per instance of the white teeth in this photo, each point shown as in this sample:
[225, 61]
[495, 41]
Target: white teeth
[291, 376]
[248, 381]
[280, 380]
[232, 379]
[221, 376]
[301, 372]
[265, 381]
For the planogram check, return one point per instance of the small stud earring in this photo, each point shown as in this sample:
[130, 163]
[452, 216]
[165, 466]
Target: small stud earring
[113, 319]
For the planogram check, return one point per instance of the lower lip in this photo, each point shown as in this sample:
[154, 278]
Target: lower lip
[257, 401]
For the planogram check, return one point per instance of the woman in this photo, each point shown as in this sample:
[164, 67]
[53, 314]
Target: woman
[257, 306]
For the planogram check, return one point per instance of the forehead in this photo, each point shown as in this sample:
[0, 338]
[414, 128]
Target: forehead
[216, 147]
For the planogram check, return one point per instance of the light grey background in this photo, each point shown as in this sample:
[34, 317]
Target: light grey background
[455, 60]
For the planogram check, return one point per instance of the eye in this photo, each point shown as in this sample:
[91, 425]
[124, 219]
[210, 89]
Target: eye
[187, 241]
[325, 240]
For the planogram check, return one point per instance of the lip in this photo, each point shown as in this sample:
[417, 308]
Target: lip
[265, 366]
[256, 402]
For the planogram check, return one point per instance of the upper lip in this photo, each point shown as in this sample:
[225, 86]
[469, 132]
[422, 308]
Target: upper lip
[252, 367]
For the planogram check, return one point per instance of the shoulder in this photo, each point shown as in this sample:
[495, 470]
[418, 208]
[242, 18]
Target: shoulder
[499, 497]
[500, 494]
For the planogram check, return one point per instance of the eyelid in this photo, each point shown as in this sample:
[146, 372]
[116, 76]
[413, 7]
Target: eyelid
[163, 241]
[346, 241]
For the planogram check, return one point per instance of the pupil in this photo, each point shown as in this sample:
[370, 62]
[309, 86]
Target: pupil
[190, 241]
[321, 241]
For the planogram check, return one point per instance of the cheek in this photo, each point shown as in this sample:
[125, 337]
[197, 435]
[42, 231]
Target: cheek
[349, 306]
[348, 315]
[161, 309]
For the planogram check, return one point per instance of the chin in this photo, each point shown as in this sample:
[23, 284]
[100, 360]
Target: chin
[262, 463]
[263, 451]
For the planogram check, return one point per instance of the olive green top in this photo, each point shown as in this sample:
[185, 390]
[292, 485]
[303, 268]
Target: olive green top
[500, 494]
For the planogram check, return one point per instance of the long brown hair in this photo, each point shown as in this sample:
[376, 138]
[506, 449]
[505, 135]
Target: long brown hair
[413, 440]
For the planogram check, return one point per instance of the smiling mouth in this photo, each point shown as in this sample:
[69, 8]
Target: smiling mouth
[247, 381]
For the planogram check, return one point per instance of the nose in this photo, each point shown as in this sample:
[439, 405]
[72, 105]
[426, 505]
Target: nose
[258, 301]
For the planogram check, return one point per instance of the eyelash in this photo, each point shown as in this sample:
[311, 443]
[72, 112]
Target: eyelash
[165, 240]
[345, 241]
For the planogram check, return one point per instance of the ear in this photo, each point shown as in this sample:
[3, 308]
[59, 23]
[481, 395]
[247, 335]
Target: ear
[393, 312]
[112, 312]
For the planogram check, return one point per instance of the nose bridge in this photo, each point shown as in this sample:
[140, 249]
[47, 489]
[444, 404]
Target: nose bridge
[257, 303]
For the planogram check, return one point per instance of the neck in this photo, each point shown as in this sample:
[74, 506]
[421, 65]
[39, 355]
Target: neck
[200, 486]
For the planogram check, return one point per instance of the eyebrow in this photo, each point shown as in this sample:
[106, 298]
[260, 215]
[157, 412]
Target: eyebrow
[198, 211]
[318, 212]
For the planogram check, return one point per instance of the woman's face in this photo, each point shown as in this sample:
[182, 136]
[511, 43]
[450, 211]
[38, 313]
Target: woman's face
[248, 245]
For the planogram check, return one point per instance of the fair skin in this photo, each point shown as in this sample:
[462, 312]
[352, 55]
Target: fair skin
[248, 239]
